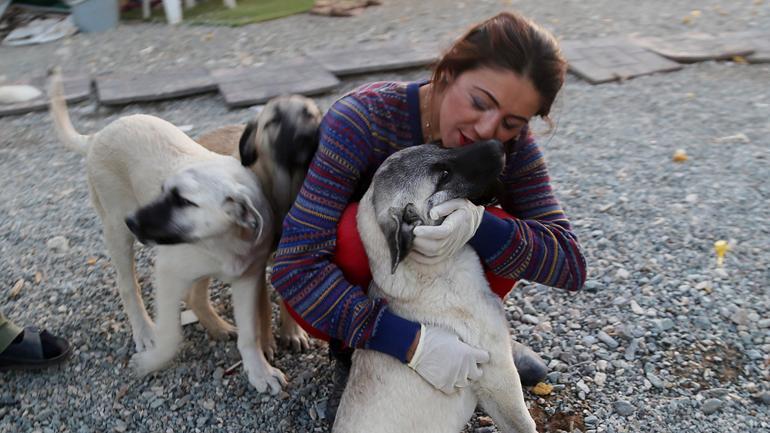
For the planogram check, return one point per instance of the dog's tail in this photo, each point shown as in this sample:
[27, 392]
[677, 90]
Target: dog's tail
[61, 117]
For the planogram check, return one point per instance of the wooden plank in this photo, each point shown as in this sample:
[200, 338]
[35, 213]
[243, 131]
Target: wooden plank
[256, 85]
[610, 59]
[124, 88]
[375, 58]
[77, 87]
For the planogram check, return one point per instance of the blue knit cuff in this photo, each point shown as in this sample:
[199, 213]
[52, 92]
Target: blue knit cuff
[393, 335]
[491, 236]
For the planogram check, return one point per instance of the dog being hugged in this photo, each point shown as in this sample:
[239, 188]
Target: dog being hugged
[278, 146]
[208, 217]
[382, 394]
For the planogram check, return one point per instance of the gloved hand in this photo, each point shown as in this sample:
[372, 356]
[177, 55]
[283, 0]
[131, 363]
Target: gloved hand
[432, 244]
[445, 361]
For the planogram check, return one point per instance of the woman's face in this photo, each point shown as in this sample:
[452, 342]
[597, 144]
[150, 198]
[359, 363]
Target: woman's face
[486, 103]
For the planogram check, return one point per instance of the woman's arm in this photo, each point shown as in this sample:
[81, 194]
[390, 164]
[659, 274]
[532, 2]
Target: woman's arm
[303, 272]
[537, 244]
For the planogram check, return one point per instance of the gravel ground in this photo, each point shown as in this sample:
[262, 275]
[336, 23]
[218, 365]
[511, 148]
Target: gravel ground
[660, 339]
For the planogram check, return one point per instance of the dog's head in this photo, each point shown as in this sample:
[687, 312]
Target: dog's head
[285, 130]
[200, 202]
[411, 182]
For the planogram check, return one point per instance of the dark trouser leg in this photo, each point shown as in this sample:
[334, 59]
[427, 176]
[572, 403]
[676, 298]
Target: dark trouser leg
[342, 358]
[530, 365]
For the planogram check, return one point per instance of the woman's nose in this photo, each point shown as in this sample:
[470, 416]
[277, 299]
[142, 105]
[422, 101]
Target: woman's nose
[486, 127]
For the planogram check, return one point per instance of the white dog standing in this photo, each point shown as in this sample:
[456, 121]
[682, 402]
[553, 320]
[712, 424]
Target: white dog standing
[382, 394]
[208, 216]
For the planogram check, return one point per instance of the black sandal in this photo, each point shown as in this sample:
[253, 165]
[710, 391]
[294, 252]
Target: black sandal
[34, 349]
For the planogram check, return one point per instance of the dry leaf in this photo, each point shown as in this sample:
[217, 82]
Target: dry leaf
[680, 156]
[542, 389]
[38, 277]
[91, 261]
[740, 60]
[485, 421]
[17, 288]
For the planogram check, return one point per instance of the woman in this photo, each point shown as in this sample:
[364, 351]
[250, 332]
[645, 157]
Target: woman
[488, 85]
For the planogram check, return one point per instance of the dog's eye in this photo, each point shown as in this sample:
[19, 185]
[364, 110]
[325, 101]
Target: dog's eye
[444, 176]
[179, 200]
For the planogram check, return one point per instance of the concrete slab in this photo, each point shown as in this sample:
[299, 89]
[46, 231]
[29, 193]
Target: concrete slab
[694, 47]
[610, 59]
[375, 58]
[256, 85]
[124, 88]
[77, 87]
[758, 40]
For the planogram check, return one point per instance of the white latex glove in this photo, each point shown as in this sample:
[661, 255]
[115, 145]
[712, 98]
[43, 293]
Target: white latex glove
[445, 361]
[433, 244]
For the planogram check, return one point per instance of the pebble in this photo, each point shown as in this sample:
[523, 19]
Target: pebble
[623, 408]
[607, 339]
[664, 324]
[528, 318]
[58, 244]
[711, 405]
[600, 379]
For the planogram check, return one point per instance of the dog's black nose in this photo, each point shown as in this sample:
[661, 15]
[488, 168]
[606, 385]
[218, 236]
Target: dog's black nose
[132, 224]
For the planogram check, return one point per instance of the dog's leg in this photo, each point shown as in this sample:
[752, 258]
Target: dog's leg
[262, 375]
[264, 320]
[230, 4]
[198, 301]
[500, 394]
[170, 290]
[189, 4]
[291, 333]
[120, 243]
[145, 9]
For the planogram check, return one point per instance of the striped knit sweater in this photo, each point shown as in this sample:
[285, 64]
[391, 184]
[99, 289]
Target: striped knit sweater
[357, 134]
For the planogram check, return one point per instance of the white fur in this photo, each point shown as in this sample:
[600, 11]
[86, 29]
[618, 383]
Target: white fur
[384, 395]
[127, 162]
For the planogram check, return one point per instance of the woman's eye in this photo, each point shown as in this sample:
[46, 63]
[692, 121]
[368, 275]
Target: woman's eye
[477, 103]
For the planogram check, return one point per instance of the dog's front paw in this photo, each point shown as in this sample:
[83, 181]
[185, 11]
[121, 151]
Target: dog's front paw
[223, 332]
[267, 379]
[144, 337]
[144, 363]
[269, 347]
[293, 336]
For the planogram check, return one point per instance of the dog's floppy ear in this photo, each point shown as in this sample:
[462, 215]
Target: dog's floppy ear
[243, 212]
[398, 232]
[247, 147]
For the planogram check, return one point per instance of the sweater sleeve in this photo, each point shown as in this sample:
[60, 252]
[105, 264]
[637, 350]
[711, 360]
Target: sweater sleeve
[537, 243]
[303, 271]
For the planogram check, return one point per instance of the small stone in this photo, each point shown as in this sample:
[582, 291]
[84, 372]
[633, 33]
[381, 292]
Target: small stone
[655, 380]
[763, 323]
[711, 405]
[58, 244]
[601, 365]
[664, 324]
[219, 373]
[623, 408]
[622, 274]
[589, 340]
[606, 339]
[600, 379]
[764, 397]
[591, 420]
[630, 354]
[553, 376]
[636, 308]
[208, 404]
[528, 318]
[583, 387]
